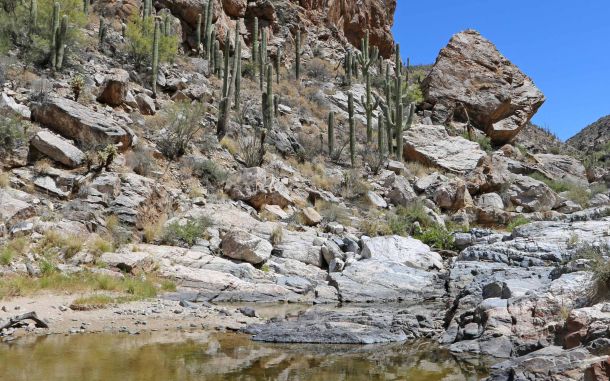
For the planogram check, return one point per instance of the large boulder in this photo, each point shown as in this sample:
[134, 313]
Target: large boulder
[8, 104]
[470, 74]
[77, 122]
[432, 145]
[531, 194]
[115, 87]
[243, 246]
[58, 149]
[562, 168]
[406, 250]
[400, 191]
[15, 207]
[256, 187]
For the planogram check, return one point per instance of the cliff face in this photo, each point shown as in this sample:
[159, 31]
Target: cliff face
[346, 20]
[354, 18]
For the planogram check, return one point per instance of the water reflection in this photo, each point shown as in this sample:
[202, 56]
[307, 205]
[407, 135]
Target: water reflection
[221, 356]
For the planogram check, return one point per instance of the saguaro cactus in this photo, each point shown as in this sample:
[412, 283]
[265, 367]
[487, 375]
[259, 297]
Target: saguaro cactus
[54, 29]
[147, 9]
[262, 57]
[167, 24]
[331, 132]
[395, 119]
[198, 34]
[368, 56]
[217, 59]
[155, 56]
[33, 14]
[60, 42]
[381, 146]
[102, 32]
[210, 35]
[268, 100]
[228, 87]
[278, 62]
[297, 50]
[225, 77]
[238, 76]
[255, 43]
[352, 129]
[347, 67]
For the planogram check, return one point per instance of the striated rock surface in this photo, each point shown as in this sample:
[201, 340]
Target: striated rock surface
[77, 122]
[432, 145]
[58, 149]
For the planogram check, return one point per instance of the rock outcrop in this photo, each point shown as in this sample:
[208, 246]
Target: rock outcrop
[472, 81]
[256, 187]
[432, 145]
[58, 149]
[77, 122]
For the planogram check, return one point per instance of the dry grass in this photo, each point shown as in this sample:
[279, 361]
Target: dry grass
[153, 230]
[420, 170]
[133, 288]
[54, 244]
[5, 180]
[230, 145]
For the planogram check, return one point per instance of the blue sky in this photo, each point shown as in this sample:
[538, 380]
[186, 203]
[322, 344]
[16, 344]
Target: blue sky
[564, 46]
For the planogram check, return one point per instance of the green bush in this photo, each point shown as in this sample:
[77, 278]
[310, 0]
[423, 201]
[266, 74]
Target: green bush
[437, 237]
[12, 134]
[140, 35]
[576, 193]
[187, 233]
[516, 222]
[600, 266]
[211, 172]
[402, 220]
[16, 30]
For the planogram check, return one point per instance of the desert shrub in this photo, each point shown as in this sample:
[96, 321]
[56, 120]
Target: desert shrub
[598, 188]
[516, 222]
[374, 225]
[277, 235]
[579, 195]
[209, 171]
[53, 244]
[248, 70]
[140, 35]
[402, 220]
[353, 185]
[251, 149]
[415, 94]
[12, 133]
[576, 193]
[598, 256]
[373, 159]
[437, 237]
[485, 143]
[5, 180]
[180, 233]
[319, 69]
[183, 123]
[332, 212]
[141, 161]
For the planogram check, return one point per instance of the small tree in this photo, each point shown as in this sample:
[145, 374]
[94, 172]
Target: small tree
[140, 35]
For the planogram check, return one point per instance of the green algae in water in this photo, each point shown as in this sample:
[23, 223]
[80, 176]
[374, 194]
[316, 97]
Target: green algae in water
[211, 356]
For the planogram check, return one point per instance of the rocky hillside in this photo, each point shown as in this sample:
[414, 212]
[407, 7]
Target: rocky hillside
[593, 139]
[277, 151]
